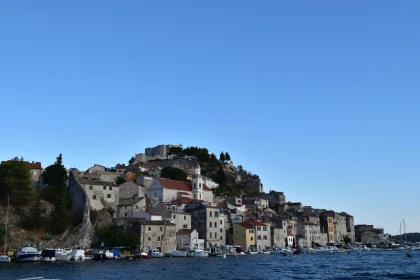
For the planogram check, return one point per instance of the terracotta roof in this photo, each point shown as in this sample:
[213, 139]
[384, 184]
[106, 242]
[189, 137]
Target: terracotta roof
[251, 223]
[185, 231]
[30, 165]
[181, 200]
[178, 185]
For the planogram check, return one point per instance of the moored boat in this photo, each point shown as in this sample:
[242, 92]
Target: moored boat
[48, 255]
[155, 253]
[4, 259]
[176, 253]
[27, 254]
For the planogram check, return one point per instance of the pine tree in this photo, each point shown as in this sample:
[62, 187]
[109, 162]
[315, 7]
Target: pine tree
[222, 156]
[56, 175]
[15, 180]
[227, 156]
[37, 210]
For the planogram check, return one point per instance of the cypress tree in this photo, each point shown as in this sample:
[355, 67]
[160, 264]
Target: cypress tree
[55, 175]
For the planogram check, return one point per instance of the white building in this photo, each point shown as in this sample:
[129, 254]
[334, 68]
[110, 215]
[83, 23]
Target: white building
[167, 190]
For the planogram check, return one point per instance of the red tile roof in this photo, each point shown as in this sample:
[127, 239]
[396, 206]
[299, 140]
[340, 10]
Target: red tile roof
[185, 231]
[30, 165]
[251, 223]
[178, 185]
[181, 200]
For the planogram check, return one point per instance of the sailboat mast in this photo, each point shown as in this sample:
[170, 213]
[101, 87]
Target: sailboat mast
[7, 224]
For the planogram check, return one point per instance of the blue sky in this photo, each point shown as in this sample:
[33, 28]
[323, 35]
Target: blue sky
[321, 99]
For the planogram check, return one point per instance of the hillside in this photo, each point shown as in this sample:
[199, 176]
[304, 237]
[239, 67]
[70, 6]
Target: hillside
[232, 180]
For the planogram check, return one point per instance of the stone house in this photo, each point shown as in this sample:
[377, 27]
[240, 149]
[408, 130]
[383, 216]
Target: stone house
[181, 220]
[296, 206]
[131, 190]
[261, 234]
[96, 168]
[327, 225]
[210, 223]
[100, 194]
[188, 237]
[128, 206]
[310, 235]
[350, 226]
[144, 180]
[35, 169]
[340, 224]
[154, 234]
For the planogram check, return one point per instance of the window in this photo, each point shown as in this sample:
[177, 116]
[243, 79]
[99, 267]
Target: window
[210, 234]
[221, 222]
[259, 237]
[104, 187]
[149, 238]
[195, 185]
[158, 239]
[161, 228]
[185, 217]
[184, 226]
[251, 231]
[125, 207]
[264, 228]
[252, 238]
[94, 196]
[258, 228]
[199, 185]
[215, 235]
[174, 216]
[199, 196]
[210, 214]
[110, 188]
[216, 213]
[149, 228]
[108, 195]
[221, 230]
[265, 237]
[90, 187]
[215, 224]
[211, 224]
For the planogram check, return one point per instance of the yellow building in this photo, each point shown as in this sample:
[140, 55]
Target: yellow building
[244, 235]
[331, 236]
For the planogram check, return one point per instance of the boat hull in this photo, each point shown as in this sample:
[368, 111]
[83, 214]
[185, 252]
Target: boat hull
[28, 258]
[4, 259]
[178, 254]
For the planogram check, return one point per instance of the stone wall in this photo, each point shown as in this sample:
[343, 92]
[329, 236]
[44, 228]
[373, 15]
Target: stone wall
[78, 201]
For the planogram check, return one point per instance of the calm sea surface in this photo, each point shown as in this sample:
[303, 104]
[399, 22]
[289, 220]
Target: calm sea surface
[365, 265]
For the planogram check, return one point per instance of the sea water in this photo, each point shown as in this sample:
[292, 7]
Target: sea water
[363, 265]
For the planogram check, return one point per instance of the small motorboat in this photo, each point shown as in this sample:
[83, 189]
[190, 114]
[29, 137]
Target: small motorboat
[27, 254]
[48, 255]
[62, 255]
[4, 259]
[155, 253]
[143, 255]
[176, 253]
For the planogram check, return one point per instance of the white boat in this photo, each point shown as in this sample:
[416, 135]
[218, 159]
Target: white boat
[199, 253]
[4, 259]
[78, 255]
[323, 250]
[27, 254]
[284, 251]
[176, 253]
[62, 254]
[155, 253]
[265, 251]
[308, 250]
[48, 255]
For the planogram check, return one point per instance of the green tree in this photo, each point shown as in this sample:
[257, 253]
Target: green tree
[176, 151]
[55, 176]
[115, 236]
[347, 239]
[37, 210]
[220, 177]
[132, 159]
[222, 157]
[173, 173]
[227, 156]
[120, 180]
[15, 180]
